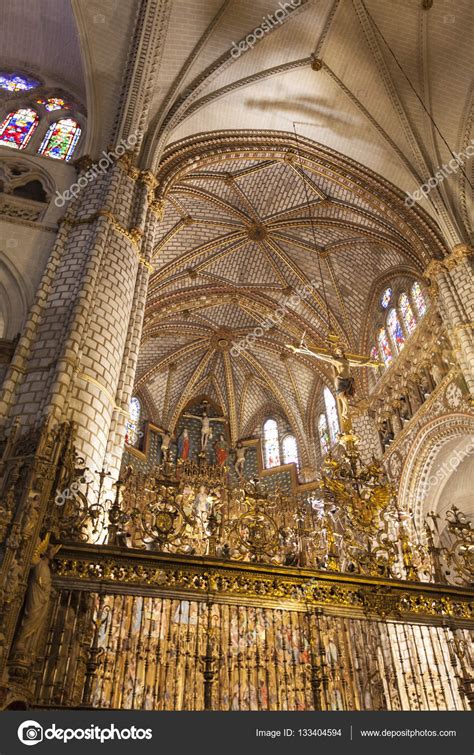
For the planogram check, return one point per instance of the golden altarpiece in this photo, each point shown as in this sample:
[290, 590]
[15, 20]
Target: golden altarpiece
[190, 587]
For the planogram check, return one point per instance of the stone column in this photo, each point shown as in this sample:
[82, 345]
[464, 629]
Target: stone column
[366, 428]
[77, 356]
[453, 282]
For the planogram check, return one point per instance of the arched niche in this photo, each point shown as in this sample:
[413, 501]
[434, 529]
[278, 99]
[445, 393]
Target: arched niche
[439, 470]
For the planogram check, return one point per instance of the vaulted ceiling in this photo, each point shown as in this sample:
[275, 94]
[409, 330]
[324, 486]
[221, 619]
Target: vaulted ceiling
[285, 163]
[248, 221]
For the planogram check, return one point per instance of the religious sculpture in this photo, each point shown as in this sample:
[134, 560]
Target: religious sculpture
[165, 445]
[240, 452]
[221, 448]
[202, 507]
[206, 430]
[37, 598]
[184, 445]
[342, 363]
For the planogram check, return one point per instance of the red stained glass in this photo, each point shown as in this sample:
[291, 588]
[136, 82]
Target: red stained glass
[384, 347]
[17, 128]
[407, 313]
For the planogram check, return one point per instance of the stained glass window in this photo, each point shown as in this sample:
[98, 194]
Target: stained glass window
[395, 330]
[418, 298]
[290, 450]
[17, 128]
[271, 447]
[386, 298]
[13, 82]
[133, 422]
[331, 411]
[323, 431]
[407, 313]
[384, 347]
[61, 139]
[374, 354]
[54, 103]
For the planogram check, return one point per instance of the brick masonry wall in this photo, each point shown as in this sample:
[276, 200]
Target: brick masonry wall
[72, 352]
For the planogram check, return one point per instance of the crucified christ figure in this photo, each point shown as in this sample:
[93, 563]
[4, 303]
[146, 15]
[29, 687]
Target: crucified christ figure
[206, 430]
[342, 363]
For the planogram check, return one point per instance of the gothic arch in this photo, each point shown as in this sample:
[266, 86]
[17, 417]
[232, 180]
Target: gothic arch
[442, 446]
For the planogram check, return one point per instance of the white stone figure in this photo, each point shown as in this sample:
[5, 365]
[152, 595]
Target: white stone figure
[37, 598]
[206, 430]
[202, 507]
[165, 445]
[240, 452]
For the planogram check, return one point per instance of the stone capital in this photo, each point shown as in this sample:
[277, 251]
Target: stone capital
[457, 255]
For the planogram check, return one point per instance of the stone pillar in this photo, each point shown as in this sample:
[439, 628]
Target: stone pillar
[365, 427]
[76, 359]
[453, 282]
[77, 356]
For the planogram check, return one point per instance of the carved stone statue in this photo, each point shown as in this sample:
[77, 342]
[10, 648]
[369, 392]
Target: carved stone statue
[202, 507]
[37, 599]
[240, 452]
[342, 363]
[165, 445]
[206, 430]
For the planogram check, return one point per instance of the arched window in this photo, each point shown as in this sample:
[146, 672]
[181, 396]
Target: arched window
[13, 82]
[418, 298]
[407, 313]
[61, 139]
[324, 440]
[386, 298]
[384, 347]
[331, 412]
[271, 449]
[133, 422]
[395, 330]
[17, 128]
[290, 450]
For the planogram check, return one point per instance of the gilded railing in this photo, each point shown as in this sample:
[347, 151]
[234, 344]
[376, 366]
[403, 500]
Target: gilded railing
[129, 629]
[349, 522]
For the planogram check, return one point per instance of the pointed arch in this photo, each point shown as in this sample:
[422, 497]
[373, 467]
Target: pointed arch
[18, 127]
[61, 139]
[271, 445]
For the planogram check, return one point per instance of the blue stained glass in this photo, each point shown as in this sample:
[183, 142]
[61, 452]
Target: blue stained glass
[418, 298]
[61, 139]
[134, 412]
[407, 313]
[386, 298]
[14, 82]
[395, 330]
[17, 128]
[384, 347]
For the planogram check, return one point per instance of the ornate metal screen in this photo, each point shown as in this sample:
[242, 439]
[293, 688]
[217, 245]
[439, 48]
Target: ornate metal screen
[149, 652]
